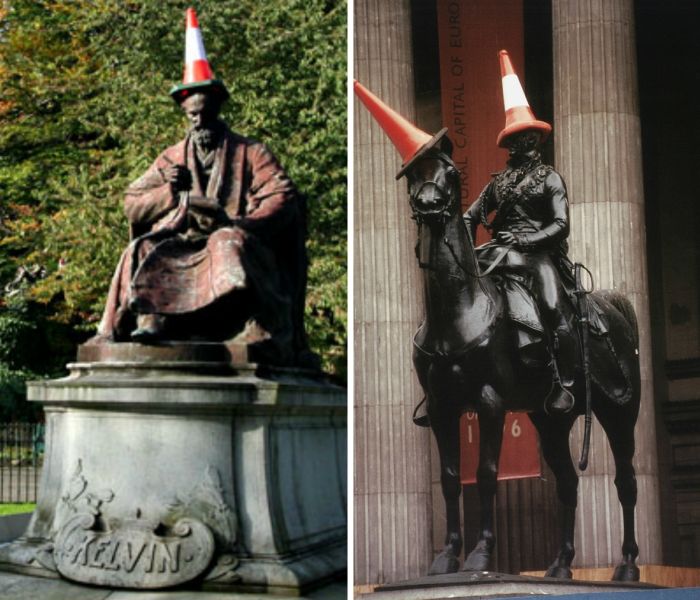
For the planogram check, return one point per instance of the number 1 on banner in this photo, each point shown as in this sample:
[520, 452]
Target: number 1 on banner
[520, 456]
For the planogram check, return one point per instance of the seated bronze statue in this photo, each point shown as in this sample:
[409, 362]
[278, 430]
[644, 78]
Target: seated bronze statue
[217, 241]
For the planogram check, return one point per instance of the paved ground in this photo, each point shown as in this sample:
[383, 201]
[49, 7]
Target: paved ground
[21, 587]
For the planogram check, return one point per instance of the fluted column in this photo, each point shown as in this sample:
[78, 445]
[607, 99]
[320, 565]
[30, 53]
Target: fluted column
[598, 151]
[392, 470]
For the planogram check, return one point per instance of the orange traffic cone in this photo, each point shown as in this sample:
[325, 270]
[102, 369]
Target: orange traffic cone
[519, 116]
[410, 141]
[198, 73]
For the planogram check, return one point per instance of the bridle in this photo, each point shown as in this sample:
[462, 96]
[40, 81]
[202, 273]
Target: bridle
[441, 215]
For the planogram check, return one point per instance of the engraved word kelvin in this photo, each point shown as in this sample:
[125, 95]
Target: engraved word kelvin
[133, 553]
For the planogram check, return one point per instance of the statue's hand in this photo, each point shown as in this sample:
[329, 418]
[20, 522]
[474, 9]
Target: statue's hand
[208, 204]
[507, 238]
[179, 178]
[210, 207]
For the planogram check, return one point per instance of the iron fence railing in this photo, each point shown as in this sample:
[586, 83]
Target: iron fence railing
[21, 458]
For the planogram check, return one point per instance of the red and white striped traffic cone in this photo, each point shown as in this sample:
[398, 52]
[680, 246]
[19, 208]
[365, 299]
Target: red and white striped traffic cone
[409, 140]
[519, 115]
[198, 73]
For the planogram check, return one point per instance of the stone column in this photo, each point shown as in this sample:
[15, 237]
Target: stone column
[598, 151]
[392, 456]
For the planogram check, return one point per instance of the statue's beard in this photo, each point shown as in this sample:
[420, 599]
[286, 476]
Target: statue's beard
[206, 138]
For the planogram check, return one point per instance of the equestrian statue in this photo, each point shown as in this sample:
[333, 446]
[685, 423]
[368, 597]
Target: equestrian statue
[509, 326]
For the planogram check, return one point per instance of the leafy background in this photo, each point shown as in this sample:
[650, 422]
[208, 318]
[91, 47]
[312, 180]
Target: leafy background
[84, 110]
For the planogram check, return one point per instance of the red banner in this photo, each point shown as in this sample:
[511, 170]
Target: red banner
[471, 32]
[519, 454]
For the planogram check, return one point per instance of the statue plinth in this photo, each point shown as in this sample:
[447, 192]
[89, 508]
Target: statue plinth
[165, 466]
[490, 584]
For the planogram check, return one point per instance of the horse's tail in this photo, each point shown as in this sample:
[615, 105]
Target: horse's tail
[624, 306]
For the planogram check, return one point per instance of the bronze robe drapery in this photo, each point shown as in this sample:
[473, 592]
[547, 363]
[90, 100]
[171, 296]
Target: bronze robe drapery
[183, 259]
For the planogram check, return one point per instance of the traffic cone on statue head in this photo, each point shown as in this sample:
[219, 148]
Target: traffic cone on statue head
[198, 74]
[519, 115]
[410, 141]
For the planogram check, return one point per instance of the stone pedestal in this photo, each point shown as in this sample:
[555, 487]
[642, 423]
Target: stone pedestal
[166, 471]
[483, 585]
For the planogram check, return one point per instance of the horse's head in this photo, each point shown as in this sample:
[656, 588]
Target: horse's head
[433, 178]
[433, 188]
[434, 195]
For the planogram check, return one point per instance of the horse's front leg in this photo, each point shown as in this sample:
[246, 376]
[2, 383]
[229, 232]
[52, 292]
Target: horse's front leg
[445, 425]
[491, 418]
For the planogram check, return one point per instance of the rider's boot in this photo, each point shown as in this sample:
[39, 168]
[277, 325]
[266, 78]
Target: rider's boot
[560, 400]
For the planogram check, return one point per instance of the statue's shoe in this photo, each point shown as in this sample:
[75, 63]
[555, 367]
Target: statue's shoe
[149, 329]
[146, 335]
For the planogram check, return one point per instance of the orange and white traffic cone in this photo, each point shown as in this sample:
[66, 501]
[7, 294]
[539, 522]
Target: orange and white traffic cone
[519, 115]
[410, 141]
[198, 73]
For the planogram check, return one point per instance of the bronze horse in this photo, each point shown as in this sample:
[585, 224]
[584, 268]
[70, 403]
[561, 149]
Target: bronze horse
[466, 359]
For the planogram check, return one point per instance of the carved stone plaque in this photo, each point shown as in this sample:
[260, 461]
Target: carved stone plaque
[134, 553]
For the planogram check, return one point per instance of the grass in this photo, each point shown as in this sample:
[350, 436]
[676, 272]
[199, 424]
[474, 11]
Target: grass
[13, 509]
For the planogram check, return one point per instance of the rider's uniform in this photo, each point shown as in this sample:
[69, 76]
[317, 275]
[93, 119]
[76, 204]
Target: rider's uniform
[531, 203]
[529, 200]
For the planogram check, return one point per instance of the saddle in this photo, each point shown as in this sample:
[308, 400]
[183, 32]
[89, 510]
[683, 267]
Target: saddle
[606, 371]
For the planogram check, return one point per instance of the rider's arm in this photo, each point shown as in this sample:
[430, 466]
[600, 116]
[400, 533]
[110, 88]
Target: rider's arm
[558, 228]
[472, 217]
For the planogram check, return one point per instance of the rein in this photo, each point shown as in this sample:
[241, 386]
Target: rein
[444, 215]
[479, 276]
[503, 251]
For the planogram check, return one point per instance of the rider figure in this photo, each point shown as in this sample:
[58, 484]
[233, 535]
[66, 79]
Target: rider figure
[529, 231]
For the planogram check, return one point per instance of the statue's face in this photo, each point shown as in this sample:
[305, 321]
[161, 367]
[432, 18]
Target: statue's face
[520, 144]
[201, 110]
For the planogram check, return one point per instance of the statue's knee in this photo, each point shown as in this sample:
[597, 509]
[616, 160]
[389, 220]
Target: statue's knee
[534, 354]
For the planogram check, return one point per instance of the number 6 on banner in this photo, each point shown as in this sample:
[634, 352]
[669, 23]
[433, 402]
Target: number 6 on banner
[515, 430]
[520, 456]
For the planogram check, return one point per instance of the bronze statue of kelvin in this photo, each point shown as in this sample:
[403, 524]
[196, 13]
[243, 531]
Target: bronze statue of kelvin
[217, 241]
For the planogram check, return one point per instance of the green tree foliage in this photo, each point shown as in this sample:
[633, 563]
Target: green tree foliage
[84, 110]
[31, 346]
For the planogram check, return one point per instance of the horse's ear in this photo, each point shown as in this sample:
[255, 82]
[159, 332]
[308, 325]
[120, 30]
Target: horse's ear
[446, 145]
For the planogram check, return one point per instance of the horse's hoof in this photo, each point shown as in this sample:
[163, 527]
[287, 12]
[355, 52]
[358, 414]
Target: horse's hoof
[478, 559]
[445, 562]
[558, 572]
[626, 572]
